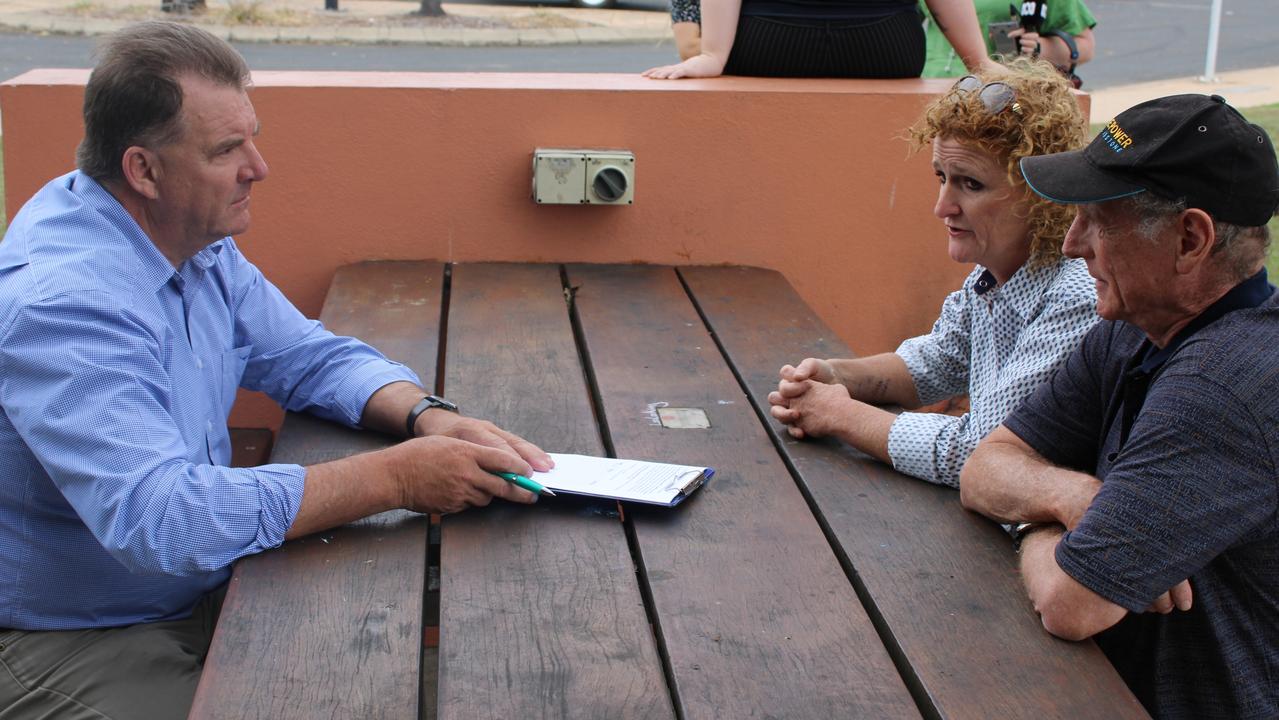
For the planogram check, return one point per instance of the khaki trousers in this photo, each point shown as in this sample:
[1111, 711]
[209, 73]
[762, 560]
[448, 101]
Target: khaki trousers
[146, 671]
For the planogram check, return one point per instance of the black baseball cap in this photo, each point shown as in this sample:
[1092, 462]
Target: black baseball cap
[1191, 147]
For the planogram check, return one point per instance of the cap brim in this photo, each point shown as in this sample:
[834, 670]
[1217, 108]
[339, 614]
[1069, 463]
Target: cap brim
[1068, 177]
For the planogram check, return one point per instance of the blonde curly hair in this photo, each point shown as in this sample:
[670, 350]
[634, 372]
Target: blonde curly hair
[1050, 121]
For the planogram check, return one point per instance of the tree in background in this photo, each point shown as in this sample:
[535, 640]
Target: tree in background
[182, 6]
[431, 8]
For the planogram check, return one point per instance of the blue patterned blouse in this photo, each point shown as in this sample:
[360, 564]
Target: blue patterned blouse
[996, 343]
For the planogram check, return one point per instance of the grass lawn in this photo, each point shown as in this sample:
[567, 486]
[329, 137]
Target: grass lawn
[1268, 118]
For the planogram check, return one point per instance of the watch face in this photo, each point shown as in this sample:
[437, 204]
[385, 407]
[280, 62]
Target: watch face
[439, 402]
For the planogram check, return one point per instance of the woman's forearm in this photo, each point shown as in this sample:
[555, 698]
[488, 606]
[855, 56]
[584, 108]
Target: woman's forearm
[881, 379]
[719, 28]
[958, 22]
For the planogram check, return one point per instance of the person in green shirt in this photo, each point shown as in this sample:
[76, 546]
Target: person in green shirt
[1068, 16]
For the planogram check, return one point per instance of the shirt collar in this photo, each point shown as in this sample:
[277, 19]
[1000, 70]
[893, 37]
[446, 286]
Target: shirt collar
[1248, 294]
[1022, 291]
[206, 257]
[151, 268]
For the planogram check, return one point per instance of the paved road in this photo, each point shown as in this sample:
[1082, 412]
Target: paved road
[1142, 40]
[1138, 40]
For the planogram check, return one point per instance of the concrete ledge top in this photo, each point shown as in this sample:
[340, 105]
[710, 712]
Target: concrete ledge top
[538, 81]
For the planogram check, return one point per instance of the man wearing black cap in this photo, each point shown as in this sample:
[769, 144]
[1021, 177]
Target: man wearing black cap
[1144, 476]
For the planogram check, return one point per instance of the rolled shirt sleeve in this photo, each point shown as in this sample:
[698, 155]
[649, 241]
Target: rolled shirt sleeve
[1016, 340]
[104, 419]
[117, 376]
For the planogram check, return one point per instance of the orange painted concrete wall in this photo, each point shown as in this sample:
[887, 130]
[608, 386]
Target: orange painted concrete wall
[808, 177]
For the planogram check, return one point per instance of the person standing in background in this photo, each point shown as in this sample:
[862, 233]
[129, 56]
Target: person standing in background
[836, 38]
[1069, 17]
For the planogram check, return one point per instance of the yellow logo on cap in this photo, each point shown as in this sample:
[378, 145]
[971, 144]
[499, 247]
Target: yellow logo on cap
[1115, 137]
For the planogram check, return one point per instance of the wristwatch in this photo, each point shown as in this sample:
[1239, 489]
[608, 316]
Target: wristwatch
[426, 403]
[1019, 531]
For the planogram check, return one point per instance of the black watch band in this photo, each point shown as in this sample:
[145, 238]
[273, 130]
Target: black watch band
[1019, 531]
[426, 403]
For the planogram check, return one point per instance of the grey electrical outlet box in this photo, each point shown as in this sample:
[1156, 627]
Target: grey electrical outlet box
[559, 176]
[610, 177]
[595, 177]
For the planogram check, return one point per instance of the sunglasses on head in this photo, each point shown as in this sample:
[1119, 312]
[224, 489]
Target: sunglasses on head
[994, 96]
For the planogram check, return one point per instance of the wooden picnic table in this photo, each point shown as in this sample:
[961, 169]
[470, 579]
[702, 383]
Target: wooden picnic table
[803, 581]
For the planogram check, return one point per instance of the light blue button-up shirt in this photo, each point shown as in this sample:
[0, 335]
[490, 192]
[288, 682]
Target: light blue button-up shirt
[117, 374]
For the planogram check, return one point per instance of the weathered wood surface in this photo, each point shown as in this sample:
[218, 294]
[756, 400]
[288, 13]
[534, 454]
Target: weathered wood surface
[250, 447]
[541, 614]
[944, 580]
[754, 611]
[544, 612]
[331, 625]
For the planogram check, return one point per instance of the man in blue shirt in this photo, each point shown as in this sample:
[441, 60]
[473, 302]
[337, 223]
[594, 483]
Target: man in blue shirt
[128, 319]
[1142, 476]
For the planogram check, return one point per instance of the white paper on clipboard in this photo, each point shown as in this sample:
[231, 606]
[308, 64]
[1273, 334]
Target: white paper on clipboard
[632, 480]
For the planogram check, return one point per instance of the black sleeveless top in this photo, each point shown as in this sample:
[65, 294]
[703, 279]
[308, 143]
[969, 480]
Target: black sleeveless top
[862, 11]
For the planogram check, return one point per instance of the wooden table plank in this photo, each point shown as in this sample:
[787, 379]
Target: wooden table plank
[250, 447]
[540, 610]
[756, 615]
[331, 625]
[945, 581]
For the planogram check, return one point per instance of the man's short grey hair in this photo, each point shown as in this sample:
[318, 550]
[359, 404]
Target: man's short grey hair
[1238, 247]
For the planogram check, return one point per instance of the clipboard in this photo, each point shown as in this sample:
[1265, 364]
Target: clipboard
[639, 481]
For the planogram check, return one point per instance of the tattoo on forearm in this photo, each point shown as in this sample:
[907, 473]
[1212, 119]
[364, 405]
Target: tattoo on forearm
[873, 390]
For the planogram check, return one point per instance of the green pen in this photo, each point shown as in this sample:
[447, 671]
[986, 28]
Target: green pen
[521, 481]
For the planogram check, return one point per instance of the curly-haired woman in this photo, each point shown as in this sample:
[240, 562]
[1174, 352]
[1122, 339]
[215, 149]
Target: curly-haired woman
[1017, 315]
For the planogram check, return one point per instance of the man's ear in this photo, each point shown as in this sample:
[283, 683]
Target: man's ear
[1196, 238]
[142, 171]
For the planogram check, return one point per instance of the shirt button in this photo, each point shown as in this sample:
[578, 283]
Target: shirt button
[208, 425]
[199, 364]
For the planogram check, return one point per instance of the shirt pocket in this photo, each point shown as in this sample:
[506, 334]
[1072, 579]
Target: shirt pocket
[217, 438]
[233, 363]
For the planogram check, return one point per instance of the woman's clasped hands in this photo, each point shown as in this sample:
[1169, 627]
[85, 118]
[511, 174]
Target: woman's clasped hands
[809, 398]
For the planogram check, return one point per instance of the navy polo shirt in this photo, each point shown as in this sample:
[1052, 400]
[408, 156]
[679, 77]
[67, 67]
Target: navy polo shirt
[1186, 442]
